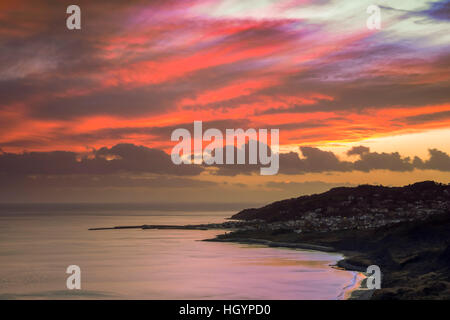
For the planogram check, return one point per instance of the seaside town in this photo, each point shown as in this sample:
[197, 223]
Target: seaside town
[318, 222]
[352, 213]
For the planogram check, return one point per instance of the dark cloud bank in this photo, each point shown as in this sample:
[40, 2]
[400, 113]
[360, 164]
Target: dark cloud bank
[133, 159]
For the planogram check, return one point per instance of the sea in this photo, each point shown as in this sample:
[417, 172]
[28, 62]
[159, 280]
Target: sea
[39, 243]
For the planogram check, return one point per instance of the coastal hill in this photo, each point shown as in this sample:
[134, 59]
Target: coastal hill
[421, 198]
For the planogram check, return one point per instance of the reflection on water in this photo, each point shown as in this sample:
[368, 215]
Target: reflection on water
[35, 250]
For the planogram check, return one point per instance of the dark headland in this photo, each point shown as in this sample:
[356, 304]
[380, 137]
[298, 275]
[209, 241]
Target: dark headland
[403, 230]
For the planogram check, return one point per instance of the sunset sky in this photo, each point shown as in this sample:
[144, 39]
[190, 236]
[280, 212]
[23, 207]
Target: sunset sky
[86, 115]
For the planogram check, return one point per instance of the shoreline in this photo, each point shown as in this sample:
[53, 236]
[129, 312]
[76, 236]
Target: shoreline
[357, 291]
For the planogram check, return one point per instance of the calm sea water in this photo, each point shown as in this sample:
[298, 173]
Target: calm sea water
[36, 248]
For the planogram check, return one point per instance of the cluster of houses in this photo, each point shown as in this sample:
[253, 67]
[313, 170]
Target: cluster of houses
[356, 217]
